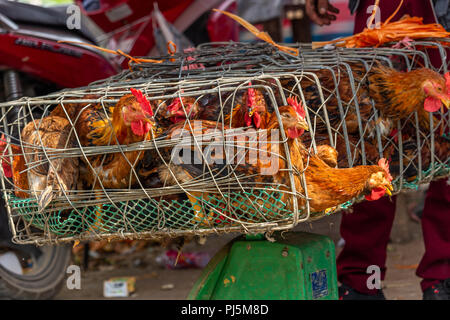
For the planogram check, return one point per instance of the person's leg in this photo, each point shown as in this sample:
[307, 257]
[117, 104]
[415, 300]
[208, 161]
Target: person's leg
[366, 233]
[435, 264]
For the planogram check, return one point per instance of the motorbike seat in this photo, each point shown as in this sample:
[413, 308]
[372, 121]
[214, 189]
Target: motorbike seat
[36, 15]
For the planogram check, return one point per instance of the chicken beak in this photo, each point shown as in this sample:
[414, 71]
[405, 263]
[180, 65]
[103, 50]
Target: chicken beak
[389, 189]
[149, 119]
[446, 102]
[302, 124]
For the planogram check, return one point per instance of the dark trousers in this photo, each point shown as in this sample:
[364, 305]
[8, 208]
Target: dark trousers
[366, 231]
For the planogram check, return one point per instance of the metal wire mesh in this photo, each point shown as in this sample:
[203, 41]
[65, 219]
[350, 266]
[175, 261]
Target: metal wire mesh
[220, 198]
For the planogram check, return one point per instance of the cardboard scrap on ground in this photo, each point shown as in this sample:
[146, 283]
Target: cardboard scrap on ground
[119, 287]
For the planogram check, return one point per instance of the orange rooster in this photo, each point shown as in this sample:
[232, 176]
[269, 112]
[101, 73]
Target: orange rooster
[250, 111]
[130, 122]
[242, 172]
[398, 94]
[329, 187]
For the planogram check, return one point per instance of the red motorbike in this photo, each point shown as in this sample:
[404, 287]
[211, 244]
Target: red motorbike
[33, 62]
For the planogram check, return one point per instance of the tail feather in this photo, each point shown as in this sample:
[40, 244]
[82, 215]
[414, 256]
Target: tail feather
[45, 198]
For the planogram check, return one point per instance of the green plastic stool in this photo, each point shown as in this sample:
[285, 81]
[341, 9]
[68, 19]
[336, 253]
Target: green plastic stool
[298, 266]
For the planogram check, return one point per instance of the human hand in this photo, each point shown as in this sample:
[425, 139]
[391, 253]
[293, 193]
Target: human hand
[321, 12]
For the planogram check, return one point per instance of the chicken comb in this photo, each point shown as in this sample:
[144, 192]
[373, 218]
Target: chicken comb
[251, 96]
[384, 164]
[298, 106]
[175, 105]
[2, 142]
[142, 100]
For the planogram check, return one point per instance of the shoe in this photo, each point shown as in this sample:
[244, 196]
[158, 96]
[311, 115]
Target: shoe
[348, 293]
[440, 291]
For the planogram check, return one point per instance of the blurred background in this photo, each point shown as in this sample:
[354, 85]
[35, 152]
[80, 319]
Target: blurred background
[292, 16]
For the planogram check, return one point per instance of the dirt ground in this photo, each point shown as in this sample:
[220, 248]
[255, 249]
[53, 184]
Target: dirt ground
[155, 282]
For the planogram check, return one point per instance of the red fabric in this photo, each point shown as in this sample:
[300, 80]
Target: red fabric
[435, 264]
[366, 231]
[418, 8]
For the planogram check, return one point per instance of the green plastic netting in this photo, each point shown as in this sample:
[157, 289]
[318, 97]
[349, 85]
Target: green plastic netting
[149, 215]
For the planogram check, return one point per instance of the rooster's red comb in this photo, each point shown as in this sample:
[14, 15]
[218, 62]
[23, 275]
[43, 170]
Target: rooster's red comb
[298, 106]
[384, 164]
[251, 96]
[142, 100]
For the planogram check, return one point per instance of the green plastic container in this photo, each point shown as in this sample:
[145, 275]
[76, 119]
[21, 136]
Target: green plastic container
[299, 266]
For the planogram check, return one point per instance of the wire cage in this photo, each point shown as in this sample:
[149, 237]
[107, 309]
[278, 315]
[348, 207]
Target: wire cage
[215, 187]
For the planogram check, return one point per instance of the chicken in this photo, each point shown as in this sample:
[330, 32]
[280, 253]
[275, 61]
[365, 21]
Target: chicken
[206, 107]
[239, 171]
[222, 174]
[54, 177]
[131, 121]
[84, 117]
[12, 169]
[398, 94]
[344, 94]
[329, 187]
[250, 111]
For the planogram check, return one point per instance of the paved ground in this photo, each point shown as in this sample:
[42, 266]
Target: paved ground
[401, 281]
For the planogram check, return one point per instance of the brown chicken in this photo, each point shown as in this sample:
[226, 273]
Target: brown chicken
[130, 122]
[398, 94]
[206, 107]
[54, 177]
[322, 180]
[329, 187]
[250, 111]
[236, 172]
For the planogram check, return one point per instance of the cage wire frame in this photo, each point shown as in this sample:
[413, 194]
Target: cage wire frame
[260, 64]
